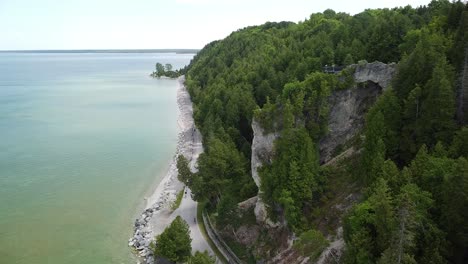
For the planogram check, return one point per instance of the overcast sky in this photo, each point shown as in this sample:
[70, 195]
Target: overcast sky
[151, 24]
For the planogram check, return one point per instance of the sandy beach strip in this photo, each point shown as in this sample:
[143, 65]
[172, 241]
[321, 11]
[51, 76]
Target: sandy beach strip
[158, 213]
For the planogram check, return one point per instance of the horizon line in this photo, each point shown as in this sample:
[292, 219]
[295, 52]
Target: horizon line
[102, 51]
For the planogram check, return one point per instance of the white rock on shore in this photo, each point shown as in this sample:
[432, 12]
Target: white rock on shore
[158, 204]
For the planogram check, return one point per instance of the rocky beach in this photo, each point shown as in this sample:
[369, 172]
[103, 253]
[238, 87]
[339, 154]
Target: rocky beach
[158, 213]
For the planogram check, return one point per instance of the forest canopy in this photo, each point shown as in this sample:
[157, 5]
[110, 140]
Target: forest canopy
[413, 164]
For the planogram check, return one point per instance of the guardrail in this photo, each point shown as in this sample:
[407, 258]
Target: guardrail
[228, 254]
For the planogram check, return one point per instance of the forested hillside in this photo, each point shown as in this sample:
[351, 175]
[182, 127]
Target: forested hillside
[412, 165]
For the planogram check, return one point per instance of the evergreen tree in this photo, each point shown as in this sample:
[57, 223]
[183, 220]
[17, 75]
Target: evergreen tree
[201, 258]
[384, 220]
[348, 60]
[159, 70]
[373, 155]
[369, 226]
[459, 145]
[454, 210]
[438, 109]
[184, 174]
[395, 179]
[174, 243]
[292, 178]
[389, 105]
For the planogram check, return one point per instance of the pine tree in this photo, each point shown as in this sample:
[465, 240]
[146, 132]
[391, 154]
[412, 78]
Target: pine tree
[373, 155]
[412, 204]
[184, 174]
[201, 258]
[438, 109]
[384, 220]
[392, 175]
[174, 243]
[389, 105]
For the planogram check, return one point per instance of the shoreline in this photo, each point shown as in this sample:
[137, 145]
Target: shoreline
[157, 210]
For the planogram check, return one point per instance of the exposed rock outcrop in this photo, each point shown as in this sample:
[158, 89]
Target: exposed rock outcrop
[346, 119]
[348, 107]
[376, 72]
[262, 153]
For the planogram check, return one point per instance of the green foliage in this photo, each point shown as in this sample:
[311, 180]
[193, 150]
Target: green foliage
[301, 104]
[393, 176]
[174, 243]
[459, 146]
[311, 243]
[292, 180]
[389, 105]
[438, 108]
[373, 155]
[178, 200]
[159, 70]
[183, 171]
[348, 60]
[227, 211]
[413, 161]
[368, 228]
[425, 85]
[223, 170]
[201, 258]
[165, 70]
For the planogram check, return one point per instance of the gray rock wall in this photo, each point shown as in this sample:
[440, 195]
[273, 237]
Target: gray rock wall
[262, 153]
[376, 72]
[348, 107]
[346, 119]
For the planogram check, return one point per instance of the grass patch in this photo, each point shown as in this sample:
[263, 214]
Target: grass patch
[201, 225]
[178, 200]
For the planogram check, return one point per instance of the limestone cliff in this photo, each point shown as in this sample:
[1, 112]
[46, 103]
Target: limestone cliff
[348, 107]
[262, 153]
[346, 119]
[376, 72]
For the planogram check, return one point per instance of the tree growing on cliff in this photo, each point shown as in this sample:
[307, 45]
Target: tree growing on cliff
[292, 180]
[174, 243]
[373, 155]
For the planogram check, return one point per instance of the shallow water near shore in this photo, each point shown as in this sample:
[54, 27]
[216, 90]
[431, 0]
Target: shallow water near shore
[82, 138]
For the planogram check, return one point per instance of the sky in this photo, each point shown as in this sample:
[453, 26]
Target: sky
[152, 24]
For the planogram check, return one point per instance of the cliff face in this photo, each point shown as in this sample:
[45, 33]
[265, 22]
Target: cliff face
[262, 153]
[346, 119]
[376, 72]
[348, 107]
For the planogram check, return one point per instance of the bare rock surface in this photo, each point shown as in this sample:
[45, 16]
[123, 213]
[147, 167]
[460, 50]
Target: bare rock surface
[262, 153]
[376, 72]
[348, 107]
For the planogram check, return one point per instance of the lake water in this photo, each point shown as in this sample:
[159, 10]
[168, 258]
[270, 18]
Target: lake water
[83, 137]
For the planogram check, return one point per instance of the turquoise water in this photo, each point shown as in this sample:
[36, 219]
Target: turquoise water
[82, 138]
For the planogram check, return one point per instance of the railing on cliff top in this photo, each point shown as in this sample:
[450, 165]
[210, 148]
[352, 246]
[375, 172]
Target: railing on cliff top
[228, 254]
[332, 69]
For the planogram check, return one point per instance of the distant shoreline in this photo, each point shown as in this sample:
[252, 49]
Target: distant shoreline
[176, 51]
